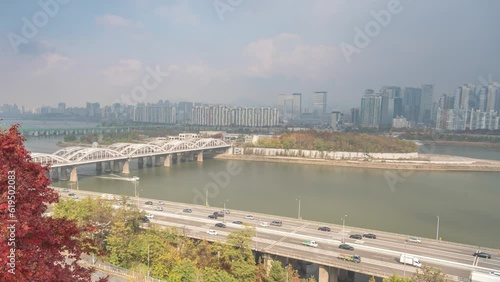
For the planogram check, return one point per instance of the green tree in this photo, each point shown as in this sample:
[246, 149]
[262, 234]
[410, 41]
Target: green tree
[119, 244]
[430, 274]
[277, 273]
[396, 278]
[372, 279]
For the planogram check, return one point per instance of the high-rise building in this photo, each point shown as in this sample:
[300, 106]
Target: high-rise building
[335, 120]
[355, 116]
[297, 106]
[386, 111]
[370, 110]
[463, 95]
[184, 111]
[493, 97]
[411, 103]
[426, 104]
[319, 103]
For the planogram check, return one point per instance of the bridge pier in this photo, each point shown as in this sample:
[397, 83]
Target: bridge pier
[168, 161]
[149, 161]
[116, 166]
[199, 158]
[140, 162]
[176, 158]
[342, 275]
[126, 167]
[63, 174]
[190, 157]
[54, 174]
[73, 177]
[328, 274]
[267, 260]
[107, 167]
[157, 160]
[98, 168]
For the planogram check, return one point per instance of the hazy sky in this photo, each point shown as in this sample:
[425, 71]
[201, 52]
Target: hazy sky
[240, 51]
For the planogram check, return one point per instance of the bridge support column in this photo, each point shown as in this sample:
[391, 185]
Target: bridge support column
[157, 160]
[190, 157]
[149, 161]
[200, 157]
[63, 175]
[140, 162]
[98, 168]
[54, 174]
[116, 166]
[342, 275]
[107, 167]
[73, 177]
[126, 167]
[168, 161]
[267, 260]
[328, 274]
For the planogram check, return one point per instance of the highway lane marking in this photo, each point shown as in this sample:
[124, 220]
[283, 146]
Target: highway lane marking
[287, 235]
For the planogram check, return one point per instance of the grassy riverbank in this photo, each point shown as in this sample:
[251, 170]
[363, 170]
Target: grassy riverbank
[425, 162]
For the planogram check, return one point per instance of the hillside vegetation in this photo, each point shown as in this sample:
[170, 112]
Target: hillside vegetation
[337, 141]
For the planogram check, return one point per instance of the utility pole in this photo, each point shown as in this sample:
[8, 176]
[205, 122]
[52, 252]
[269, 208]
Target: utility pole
[437, 229]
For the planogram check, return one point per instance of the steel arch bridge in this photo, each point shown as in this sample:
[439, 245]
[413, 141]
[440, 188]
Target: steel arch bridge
[123, 151]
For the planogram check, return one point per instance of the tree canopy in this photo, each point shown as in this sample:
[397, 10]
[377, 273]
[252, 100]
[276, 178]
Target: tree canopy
[337, 141]
[33, 247]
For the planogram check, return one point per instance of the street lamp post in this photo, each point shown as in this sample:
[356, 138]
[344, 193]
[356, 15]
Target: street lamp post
[148, 260]
[224, 211]
[343, 228]
[404, 267]
[298, 216]
[437, 229]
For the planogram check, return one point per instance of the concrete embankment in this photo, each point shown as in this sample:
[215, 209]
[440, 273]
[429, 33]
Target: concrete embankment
[423, 162]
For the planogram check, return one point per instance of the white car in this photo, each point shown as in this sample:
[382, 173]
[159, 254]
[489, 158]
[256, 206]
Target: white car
[495, 273]
[161, 203]
[249, 217]
[75, 197]
[212, 232]
[264, 224]
[158, 208]
[413, 240]
[150, 215]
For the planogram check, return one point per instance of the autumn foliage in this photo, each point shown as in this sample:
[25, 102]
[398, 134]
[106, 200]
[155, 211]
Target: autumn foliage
[33, 247]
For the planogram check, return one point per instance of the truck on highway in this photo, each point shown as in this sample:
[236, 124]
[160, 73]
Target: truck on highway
[351, 258]
[310, 243]
[411, 260]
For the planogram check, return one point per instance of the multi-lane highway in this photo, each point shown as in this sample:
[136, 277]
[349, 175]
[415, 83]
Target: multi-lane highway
[379, 256]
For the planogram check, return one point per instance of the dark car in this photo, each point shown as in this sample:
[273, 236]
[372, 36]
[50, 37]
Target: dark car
[237, 222]
[356, 236]
[324, 228]
[482, 255]
[219, 214]
[370, 236]
[346, 247]
[187, 210]
[277, 223]
[144, 219]
[212, 216]
[221, 225]
[149, 203]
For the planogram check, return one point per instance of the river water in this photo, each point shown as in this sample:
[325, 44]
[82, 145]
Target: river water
[467, 203]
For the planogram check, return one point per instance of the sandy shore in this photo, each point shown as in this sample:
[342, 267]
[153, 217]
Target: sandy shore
[424, 162]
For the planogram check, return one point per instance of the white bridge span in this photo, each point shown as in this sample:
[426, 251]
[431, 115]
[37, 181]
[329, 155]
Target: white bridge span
[74, 156]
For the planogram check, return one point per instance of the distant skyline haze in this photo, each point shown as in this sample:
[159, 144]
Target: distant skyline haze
[241, 52]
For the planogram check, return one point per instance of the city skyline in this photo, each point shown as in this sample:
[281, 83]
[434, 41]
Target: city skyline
[190, 51]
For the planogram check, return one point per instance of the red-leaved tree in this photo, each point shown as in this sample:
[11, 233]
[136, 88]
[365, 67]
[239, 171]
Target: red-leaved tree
[33, 247]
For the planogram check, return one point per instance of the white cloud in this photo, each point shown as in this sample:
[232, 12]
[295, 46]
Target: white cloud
[286, 55]
[117, 21]
[124, 73]
[53, 62]
[179, 13]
